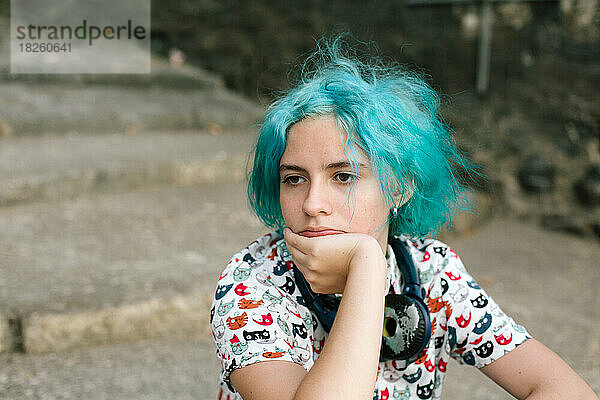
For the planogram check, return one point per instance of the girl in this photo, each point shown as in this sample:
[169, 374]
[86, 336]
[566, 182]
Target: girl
[354, 170]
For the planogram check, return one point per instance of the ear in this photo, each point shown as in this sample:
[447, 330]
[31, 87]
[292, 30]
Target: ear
[402, 196]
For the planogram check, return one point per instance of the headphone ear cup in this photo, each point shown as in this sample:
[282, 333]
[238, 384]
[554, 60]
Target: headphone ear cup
[406, 328]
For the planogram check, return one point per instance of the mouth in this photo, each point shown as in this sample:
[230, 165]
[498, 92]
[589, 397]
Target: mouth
[324, 232]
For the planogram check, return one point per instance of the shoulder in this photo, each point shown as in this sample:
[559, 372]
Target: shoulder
[255, 313]
[261, 249]
[265, 254]
[475, 329]
[262, 268]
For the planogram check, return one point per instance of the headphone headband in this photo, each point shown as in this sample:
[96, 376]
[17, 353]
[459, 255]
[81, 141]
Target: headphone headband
[407, 269]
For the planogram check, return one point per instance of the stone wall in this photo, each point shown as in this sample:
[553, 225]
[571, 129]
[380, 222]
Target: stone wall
[254, 43]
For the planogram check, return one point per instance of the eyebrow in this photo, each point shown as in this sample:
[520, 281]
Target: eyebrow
[335, 165]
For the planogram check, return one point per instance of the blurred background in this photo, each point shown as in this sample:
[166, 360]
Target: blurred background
[122, 196]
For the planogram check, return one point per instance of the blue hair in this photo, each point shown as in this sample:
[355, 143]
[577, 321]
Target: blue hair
[391, 114]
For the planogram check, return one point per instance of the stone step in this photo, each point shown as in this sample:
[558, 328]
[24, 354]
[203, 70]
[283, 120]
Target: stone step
[64, 166]
[171, 97]
[145, 370]
[32, 108]
[117, 266]
[159, 370]
[154, 370]
[162, 75]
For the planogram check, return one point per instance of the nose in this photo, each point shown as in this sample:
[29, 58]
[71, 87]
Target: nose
[317, 201]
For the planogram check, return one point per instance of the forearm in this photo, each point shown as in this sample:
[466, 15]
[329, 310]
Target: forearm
[347, 366]
[583, 393]
[532, 371]
[572, 389]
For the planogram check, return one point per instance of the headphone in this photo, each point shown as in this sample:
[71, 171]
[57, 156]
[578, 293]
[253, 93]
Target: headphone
[406, 321]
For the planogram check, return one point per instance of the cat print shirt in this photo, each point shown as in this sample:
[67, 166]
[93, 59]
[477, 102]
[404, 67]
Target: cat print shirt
[258, 314]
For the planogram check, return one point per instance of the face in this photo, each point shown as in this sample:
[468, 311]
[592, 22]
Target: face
[316, 177]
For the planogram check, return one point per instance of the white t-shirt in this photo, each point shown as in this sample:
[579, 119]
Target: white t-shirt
[258, 314]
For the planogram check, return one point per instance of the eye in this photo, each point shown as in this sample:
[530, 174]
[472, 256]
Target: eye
[345, 177]
[292, 180]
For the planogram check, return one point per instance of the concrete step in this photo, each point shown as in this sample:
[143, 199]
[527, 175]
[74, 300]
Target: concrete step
[164, 370]
[145, 370]
[158, 370]
[31, 108]
[171, 97]
[163, 75]
[64, 166]
[117, 266]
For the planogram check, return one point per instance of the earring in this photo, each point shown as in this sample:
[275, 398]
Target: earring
[395, 212]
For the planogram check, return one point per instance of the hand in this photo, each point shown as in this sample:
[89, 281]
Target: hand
[325, 261]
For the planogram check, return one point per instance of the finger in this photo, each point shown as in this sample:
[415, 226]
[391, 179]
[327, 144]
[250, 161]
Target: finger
[299, 258]
[293, 240]
[301, 266]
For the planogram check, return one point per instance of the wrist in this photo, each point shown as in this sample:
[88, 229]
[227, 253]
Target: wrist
[368, 257]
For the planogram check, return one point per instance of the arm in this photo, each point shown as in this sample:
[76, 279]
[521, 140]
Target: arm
[347, 366]
[532, 371]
